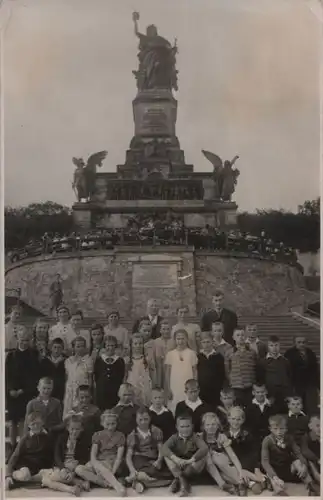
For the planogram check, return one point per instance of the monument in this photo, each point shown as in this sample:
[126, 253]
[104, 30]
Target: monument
[155, 180]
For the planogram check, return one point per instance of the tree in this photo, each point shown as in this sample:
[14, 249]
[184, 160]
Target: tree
[300, 230]
[23, 224]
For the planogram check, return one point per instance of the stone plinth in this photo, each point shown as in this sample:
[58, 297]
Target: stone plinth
[155, 114]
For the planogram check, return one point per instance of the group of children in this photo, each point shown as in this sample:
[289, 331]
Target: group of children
[118, 410]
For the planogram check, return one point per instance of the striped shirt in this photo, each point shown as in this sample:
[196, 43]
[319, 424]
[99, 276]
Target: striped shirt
[242, 367]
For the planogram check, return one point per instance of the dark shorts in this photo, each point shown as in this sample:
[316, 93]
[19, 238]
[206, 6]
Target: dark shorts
[144, 464]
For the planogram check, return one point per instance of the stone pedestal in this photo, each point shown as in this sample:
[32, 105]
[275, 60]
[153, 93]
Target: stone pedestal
[155, 113]
[82, 216]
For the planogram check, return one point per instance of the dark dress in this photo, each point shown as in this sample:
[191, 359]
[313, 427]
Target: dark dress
[55, 371]
[22, 371]
[108, 378]
[211, 377]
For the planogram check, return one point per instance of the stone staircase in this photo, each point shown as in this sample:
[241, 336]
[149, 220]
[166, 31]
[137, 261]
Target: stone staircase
[284, 326]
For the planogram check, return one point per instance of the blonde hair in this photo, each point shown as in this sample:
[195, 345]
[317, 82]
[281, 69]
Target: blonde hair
[210, 416]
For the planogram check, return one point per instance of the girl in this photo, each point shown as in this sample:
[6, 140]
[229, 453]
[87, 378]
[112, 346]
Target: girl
[21, 379]
[162, 345]
[220, 457]
[144, 458]
[76, 325]
[145, 330]
[12, 328]
[180, 366]
[140, 373]
[97, 340]
[245, 448]
[40, 330]
[119, 332]
[106, 455]
[109, 372]
[62, 329]
[79, 371]
[193, 330]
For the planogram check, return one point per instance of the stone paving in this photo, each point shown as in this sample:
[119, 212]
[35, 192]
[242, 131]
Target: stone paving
[197, 491]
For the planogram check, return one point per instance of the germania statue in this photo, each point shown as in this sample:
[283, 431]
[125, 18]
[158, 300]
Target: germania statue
[157, 59]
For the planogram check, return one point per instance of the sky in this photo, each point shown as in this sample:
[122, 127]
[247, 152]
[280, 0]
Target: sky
[248, 85]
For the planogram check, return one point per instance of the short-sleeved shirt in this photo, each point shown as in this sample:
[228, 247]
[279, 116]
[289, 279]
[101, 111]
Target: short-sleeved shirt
[145, 445]
[108, 443]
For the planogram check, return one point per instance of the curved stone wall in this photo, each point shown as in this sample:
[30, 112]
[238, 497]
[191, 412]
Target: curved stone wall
[125, 278]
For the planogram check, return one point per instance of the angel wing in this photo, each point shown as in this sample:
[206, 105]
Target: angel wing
[214, 159]
[78, 162]
[96, 159]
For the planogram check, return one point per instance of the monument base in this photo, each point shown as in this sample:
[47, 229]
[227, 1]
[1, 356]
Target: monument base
[116, 214]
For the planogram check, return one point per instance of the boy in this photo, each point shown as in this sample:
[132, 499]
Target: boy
[246, 449]
[89, 413]
[50, 408]
[33, 453]
[227, 400]
[253, 341]
[185, 455]
[258, 413]
[54, 367]
[192, 405]
[126, 409]
[161, 416]
[297, 423]
[12, 328]
[282, 460]
[311, 449]
[276, 374]
[210, 371]
[242, 369]
[72, 448]
[305, 373]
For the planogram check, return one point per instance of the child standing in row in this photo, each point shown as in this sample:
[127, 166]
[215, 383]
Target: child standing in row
[140, 373]
[126, 409]
[192, 405]
[161, 416]
[210, 371]
[193, 330]
[79, 371]
[180, 366]
[162, 345]
[97, 341]
[109, 373]
[47, 406]
[53, 366]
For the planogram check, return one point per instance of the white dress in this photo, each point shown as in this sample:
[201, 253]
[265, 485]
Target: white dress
[181, 369]
[139, 377]
[67, 334]
[79, 371]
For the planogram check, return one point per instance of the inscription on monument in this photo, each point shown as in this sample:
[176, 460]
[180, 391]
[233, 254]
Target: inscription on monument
[152, 275]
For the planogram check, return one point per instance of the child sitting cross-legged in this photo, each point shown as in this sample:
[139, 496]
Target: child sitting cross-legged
[245, 447]
[185, 455]
[144, 460]
[33, 453]
[50, 408]
[192, 405]
[221, 462]
[311, 448]
[161, 416]
[71, 448]
[106, 455]
[282, 459]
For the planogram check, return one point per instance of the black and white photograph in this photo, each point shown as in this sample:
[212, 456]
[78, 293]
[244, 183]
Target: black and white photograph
[161, 179]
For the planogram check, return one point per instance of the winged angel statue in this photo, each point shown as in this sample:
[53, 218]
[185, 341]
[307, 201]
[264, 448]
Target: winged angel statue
[224, 176]
[84, 174]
